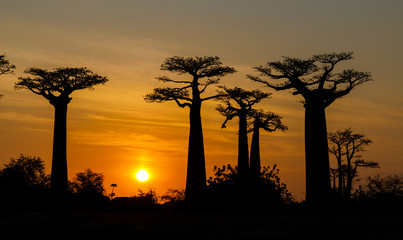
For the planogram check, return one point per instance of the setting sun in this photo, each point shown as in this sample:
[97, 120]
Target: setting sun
[142, 175]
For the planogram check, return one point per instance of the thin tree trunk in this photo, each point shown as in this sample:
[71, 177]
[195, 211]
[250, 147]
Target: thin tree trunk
[243, 152]
[316, 153]
[59, 158]
[196, 169]
[341, 174]
[255, 154]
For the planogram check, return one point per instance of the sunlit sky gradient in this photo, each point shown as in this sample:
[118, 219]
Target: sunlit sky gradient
[114, 131]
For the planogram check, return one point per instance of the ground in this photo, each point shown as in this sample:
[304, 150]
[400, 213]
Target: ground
[113, 225]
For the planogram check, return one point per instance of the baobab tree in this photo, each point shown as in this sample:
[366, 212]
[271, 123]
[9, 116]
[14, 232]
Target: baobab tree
[203, 71]
[315, 80]
[5, 67]
[56, 87]
[269, 122]
[238, 102]
[346, 146]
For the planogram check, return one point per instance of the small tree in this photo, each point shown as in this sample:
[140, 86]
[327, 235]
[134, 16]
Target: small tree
[88, 182]
[56, 87]
[5, 66]
[267, 192]
[24, 183]
[204, 71]
[113, 185]
[315, 80]
[23, 174]
[346, 146]
[269, 122]
[379, 187]
[238, 103]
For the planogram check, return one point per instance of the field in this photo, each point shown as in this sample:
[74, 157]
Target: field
[112, 225]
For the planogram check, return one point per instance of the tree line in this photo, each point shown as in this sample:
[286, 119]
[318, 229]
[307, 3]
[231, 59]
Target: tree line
[315, 79]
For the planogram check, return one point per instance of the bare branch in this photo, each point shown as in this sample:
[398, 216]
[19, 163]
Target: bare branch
[166, 79]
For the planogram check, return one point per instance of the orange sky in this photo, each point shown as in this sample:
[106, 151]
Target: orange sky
[114, 131]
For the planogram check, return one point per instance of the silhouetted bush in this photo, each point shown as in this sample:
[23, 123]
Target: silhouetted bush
[382, 193]
[24, 184]
[227, 192]
[143, 202]
[87, 189]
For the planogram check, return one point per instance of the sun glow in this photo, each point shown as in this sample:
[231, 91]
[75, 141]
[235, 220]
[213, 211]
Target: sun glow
[142, 175]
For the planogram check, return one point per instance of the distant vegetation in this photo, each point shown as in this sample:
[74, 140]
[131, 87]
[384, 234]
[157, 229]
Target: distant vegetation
[25, 186]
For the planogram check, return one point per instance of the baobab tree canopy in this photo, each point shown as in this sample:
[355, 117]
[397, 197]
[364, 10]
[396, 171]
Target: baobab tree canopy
[314, 75]
[5, 66]
[60, 82]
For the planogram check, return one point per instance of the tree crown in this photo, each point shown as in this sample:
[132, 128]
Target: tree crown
[312, 77]
[60, 82]
[5, 66]
[198, 67]
[238, 101]
[267, 120]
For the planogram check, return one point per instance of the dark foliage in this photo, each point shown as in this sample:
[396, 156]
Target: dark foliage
[142, 202]
[87, 189]
[24, 184]
[227, 191]
[5, 66]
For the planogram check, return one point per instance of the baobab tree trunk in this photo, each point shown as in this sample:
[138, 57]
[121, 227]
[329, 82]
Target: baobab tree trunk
[316, 153]
[59, 158]
[243, 152]
[255, 154]
[196, 169]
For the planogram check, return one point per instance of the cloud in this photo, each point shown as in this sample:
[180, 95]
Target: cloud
[128, 141]
[23, 117]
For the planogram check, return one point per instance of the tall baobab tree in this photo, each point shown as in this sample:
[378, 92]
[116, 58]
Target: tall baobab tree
[315, 80]
[56, 87]
[346, 146]
[238, 102]
[5, 66]
[203, 71]
[269, 122]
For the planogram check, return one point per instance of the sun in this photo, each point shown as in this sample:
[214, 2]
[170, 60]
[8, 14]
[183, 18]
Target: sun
[142, 175]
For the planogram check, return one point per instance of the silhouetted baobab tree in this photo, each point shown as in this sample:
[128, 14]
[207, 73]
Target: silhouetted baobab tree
[204, 71]
[269, 122]
[238, 103]
[56, 86]
[314, 79]
[5, 67]
[346, 146]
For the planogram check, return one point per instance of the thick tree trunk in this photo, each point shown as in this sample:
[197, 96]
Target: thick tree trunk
[255, 154]
[196, 169]
[316, 153]
[349, 184]
[59, 158]
[243, 152]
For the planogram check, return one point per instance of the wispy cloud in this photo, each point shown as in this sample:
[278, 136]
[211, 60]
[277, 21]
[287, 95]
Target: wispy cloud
[23, 117]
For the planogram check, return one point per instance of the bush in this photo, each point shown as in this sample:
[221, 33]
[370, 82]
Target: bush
[226, 190]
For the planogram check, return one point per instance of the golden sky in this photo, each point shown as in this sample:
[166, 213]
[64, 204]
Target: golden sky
[114, 131]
